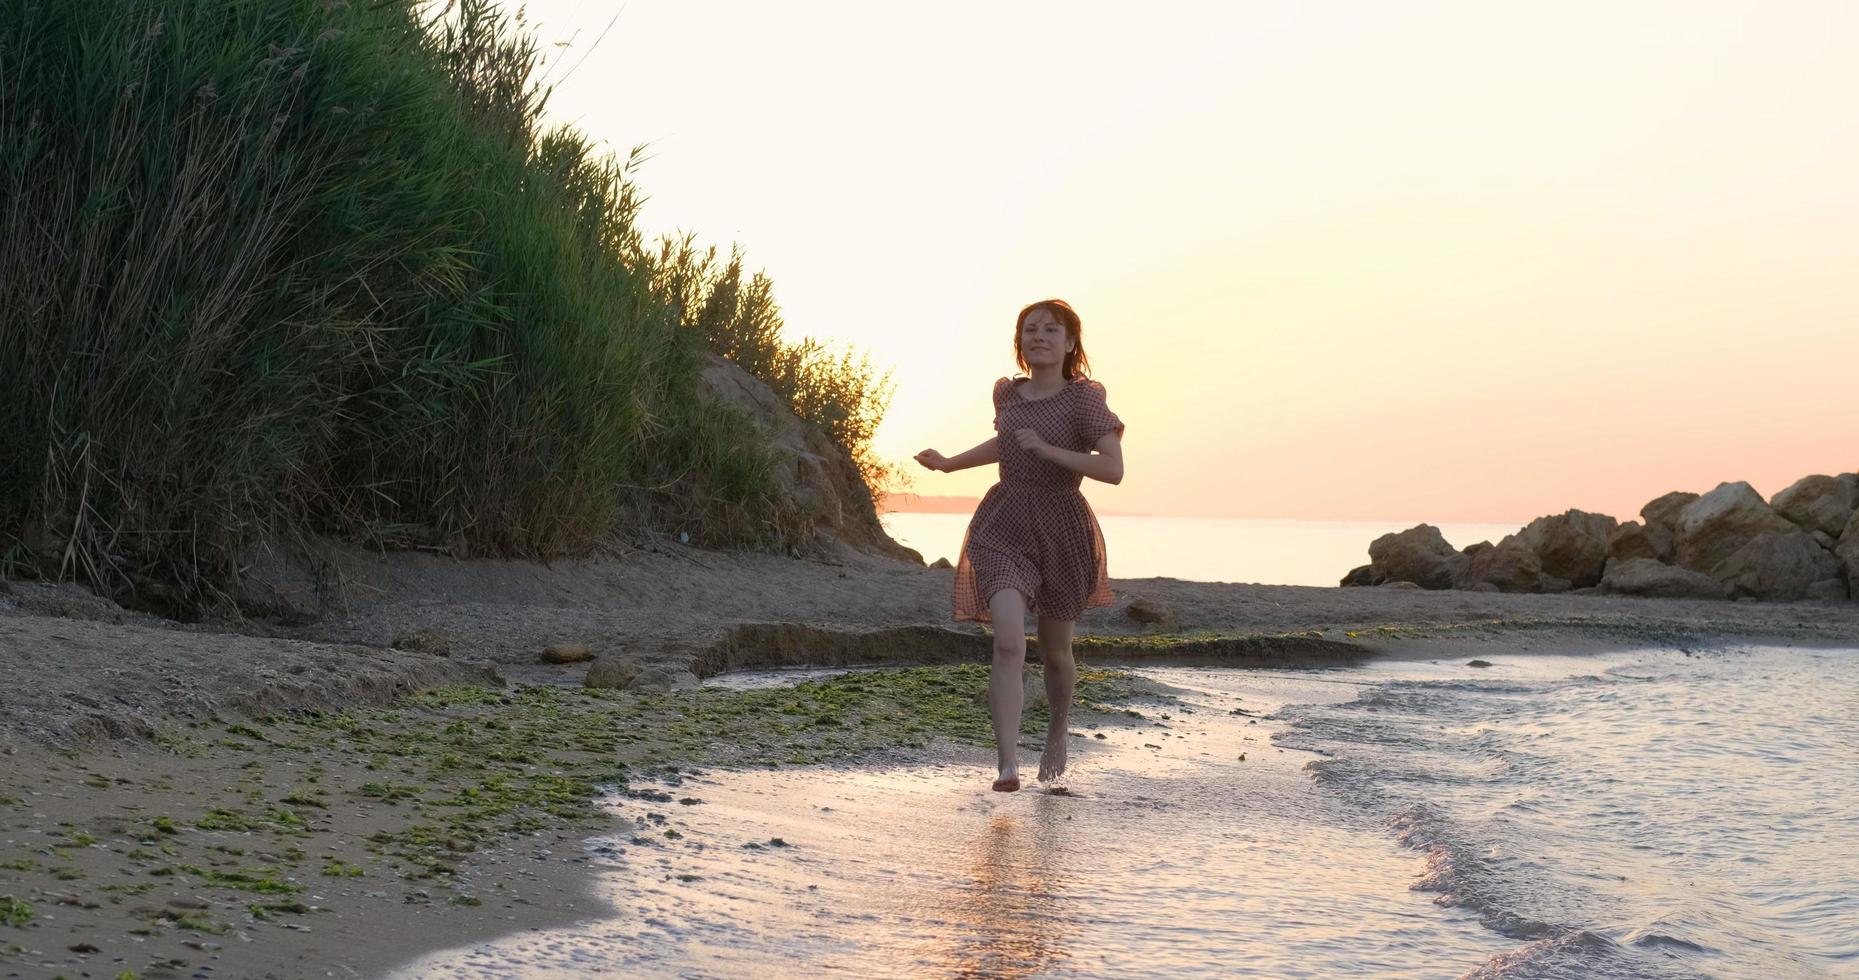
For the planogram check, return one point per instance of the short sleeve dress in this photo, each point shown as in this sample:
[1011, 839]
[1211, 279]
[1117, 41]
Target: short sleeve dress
[1033, 531]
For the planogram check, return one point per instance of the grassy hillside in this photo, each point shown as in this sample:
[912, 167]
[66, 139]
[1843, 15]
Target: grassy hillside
[283, 267]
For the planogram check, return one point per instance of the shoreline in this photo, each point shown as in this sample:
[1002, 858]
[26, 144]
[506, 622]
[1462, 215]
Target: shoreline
[269, 799]
[354, 842]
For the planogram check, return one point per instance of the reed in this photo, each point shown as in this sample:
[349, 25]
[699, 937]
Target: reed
[281, 268]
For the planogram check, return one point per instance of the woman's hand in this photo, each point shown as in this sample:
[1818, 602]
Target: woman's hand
[931, 459]
[1029, 440]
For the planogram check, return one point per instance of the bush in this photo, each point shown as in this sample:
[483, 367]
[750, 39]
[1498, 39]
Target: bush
[285, 267]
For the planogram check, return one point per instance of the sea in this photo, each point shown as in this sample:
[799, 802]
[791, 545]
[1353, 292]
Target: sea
[1662, 813]
[1209, 549]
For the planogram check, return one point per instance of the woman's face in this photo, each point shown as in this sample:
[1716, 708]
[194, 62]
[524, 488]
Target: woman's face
[1043, 340]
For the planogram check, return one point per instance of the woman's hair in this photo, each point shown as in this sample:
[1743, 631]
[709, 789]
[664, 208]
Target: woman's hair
[1076, 363]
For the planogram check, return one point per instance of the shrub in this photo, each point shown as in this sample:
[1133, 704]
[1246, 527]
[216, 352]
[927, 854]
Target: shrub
[291, 267]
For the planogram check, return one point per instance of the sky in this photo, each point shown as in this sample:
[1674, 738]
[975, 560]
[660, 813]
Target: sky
[1430, 261]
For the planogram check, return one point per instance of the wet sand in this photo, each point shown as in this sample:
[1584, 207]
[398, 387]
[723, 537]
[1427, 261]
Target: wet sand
[342, 843]
[1169, 855]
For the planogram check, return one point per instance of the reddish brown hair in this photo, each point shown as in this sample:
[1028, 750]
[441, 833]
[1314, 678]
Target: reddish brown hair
[1076, 363]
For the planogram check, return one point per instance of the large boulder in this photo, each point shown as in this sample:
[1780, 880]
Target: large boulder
[1661, 517]
[1647, 577]
[1632, 540]
[1828, 590]
[816, 475]
[1420, 555]
[1509, 567]
[1847, 551]
[1362, 575]
[1571, 546]
[1776, 565]
[1818, 503]
[1712, 527]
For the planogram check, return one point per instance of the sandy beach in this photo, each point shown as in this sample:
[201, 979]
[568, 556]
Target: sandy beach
[277, 800]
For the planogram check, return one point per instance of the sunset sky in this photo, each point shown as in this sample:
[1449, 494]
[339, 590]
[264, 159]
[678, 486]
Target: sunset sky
[1447, 261]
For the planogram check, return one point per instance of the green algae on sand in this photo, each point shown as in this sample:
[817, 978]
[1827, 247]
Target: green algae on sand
[419, 802]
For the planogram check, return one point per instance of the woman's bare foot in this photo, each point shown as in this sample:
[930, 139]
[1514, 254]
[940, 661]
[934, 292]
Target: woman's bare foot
[1052, 761]
[1008, 783]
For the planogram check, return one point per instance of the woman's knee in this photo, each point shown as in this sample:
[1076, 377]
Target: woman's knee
[1009, 646]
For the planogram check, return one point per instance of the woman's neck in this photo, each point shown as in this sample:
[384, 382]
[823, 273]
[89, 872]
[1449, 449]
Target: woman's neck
[1045, 378]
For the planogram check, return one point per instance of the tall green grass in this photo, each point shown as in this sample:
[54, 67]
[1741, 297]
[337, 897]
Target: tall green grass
[275, 268]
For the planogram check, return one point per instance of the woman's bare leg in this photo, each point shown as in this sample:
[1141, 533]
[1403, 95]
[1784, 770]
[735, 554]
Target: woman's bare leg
[1055, 653]
[1006, 693]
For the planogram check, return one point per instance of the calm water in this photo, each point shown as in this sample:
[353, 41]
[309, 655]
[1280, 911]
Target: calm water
[1664, 815]
[1208, 549]
[1638, 815]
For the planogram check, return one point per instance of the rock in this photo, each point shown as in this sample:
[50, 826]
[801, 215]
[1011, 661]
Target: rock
[1712, 527]
[1571, 545]
[1403, 585]
[1847, 551]
[1420, 555]
[1632, 540]
[1552, 584]
[566, 653]
[1478, 663]
[1033, 688]
[1149, 612]
[1509, 567]
[1851, 480]
[1473, 550]
[1776, 565]
[1362, 575]
[610, 672]
[1823, 539]
[1662, 512]
[817, 477]
[941, 563]
[1661, 517]
[1818, 503]
[1827, 590]
[1482, 587]
[1647, 577]
[423, 641]
[658, 679]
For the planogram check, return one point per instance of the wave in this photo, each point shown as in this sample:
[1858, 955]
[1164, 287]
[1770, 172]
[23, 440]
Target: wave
[1578, 955]
[1416, 752]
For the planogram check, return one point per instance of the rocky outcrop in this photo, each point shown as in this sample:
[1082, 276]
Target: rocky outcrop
[1510, 567]
[1725, 544]
[1776, 566]
[1661, 517]
[1632, 540]
[1847, 551]
[1650, 577]
[1712, 527]
[1819, 503]
[816, 475]
[1362, 575]
[1828, 590]
[1419, 555]
[1571, 546]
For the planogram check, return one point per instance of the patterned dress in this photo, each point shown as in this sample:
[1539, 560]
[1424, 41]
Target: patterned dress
[1033, 530]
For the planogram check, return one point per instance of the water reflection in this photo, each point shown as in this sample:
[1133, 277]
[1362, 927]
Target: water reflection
[1007, 915]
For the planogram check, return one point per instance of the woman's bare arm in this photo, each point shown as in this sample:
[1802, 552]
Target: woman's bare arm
[982, 455]
[1105, 464]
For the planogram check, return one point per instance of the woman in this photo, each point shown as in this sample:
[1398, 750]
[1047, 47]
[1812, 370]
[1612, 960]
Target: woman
[1033, 543]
